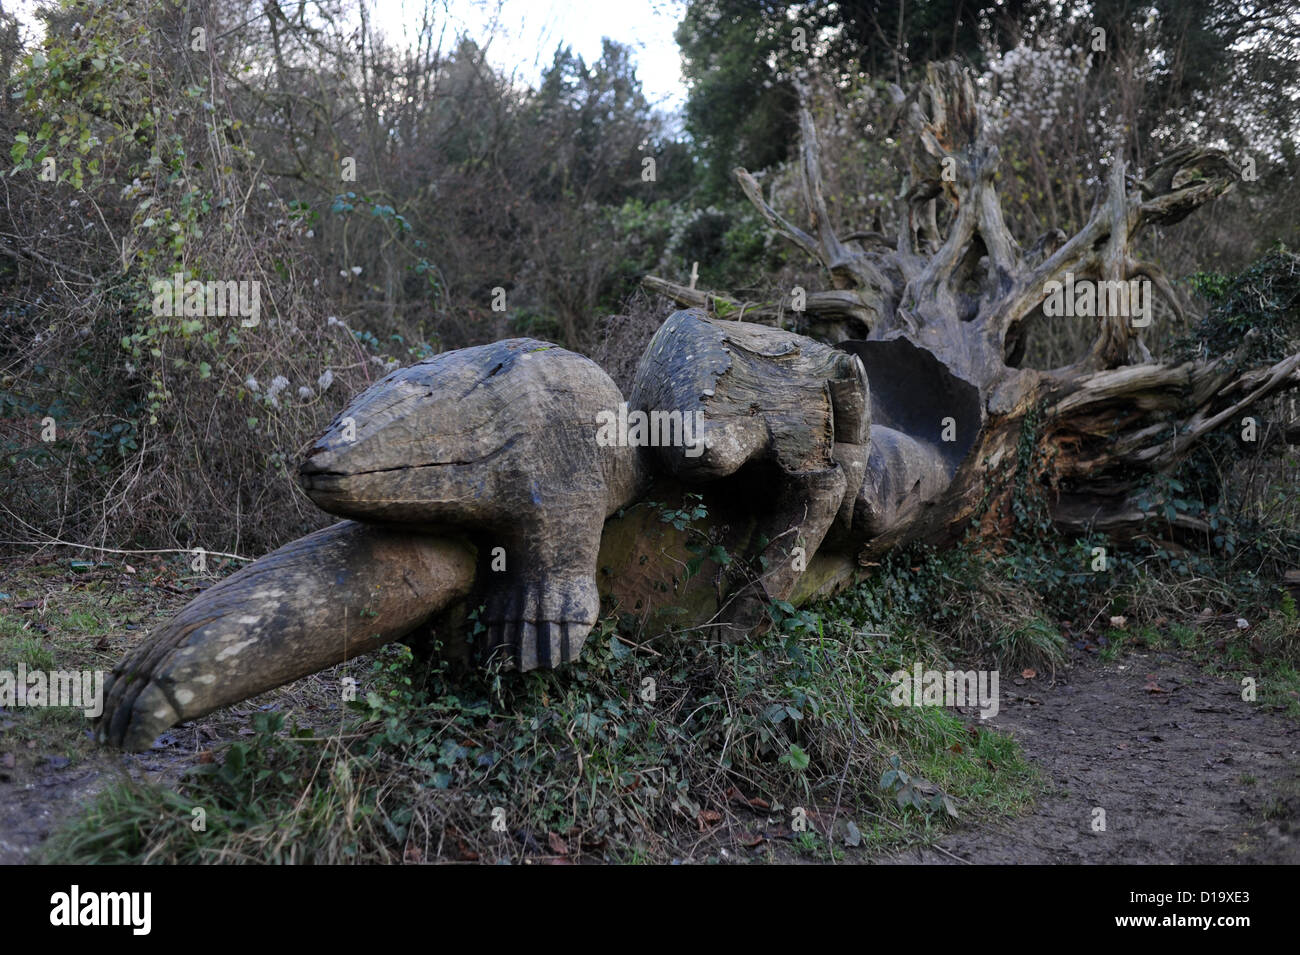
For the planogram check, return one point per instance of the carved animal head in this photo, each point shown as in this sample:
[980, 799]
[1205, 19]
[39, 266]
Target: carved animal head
[475, 437]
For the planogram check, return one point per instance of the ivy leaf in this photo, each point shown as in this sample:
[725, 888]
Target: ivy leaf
[796, 759]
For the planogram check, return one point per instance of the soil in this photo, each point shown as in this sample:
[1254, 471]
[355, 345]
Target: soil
[1184, 769]
[34, 798]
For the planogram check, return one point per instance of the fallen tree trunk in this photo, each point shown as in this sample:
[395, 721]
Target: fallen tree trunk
[966, 297]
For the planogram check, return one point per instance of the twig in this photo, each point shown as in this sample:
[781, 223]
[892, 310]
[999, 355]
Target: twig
[54, 541]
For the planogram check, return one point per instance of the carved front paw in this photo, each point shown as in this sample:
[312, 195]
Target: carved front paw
[541, 623]
[138, 700]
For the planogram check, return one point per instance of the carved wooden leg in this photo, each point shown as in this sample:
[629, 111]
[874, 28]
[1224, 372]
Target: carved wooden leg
[801, 511]
[315, 602]
[541, 607]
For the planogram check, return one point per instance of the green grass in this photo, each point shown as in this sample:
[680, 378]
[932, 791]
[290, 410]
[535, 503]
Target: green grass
[1037, 642]
[1116, 641]
[77, 624]
[29, 649]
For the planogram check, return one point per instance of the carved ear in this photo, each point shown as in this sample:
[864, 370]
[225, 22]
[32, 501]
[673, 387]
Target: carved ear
[851, 401]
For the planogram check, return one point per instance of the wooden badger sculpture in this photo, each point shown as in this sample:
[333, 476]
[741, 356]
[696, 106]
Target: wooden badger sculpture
[488, 476]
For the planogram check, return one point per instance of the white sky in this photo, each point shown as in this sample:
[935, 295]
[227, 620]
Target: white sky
[527, 32]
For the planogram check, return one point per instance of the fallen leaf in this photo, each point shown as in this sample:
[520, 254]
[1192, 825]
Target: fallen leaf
[707, 818]
[413, 854]
[206, 756]
[1118, 622]
[735, 795]
[557, 843]
[463, 850]
[1029, 673]
[749, 839]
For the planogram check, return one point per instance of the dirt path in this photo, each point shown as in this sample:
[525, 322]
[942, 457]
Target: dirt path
[44, 787]
[1185, 770]
[32, 802]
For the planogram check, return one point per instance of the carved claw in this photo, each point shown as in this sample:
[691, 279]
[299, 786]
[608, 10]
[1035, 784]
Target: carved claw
[137, 704]
[541, 623]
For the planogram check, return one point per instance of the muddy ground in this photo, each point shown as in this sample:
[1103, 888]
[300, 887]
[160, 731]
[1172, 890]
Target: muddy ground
[42, 787]
[1184, 769]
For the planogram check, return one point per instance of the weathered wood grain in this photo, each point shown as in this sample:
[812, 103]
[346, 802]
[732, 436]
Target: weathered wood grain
[320, 600]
